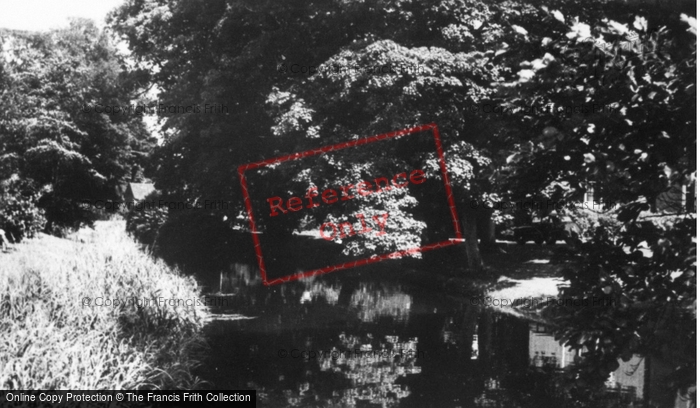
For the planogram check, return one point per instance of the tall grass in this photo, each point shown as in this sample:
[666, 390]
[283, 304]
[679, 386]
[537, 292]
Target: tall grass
[51, 338]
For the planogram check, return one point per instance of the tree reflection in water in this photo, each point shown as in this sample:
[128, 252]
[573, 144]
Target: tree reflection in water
[373, 368]
[370, 365]
[432, 351]
[372, 302]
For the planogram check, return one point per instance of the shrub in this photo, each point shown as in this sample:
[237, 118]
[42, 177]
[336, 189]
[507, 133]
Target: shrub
[143, 221]
[65, 215]
[591, 221]
[19, 215]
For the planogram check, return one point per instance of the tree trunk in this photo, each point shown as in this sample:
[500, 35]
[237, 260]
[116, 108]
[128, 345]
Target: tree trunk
[471, 242]
[487, 233]
[491, 232]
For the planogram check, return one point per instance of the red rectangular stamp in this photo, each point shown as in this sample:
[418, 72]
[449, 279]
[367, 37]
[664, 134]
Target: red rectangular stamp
[350, 204]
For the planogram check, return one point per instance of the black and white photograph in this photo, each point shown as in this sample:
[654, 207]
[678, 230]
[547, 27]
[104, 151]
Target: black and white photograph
[348, 203]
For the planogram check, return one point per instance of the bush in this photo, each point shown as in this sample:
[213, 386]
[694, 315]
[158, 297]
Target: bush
[65, 215]
[143, 221]
[19, 215]
[591, 222]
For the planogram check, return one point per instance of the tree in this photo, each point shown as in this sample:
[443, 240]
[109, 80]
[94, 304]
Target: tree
[633, 137]
[458, 54]
[235, 53]
[52, 131]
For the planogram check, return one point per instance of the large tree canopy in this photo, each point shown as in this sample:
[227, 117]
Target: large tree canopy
[619, 84]
[53, 134]
[634, 140]
[242, 55]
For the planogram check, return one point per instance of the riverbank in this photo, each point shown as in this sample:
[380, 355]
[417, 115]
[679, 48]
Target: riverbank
[95, 312]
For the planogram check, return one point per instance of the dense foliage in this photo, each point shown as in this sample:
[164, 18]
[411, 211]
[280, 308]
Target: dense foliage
[51, 134]
[590, 94]
[143, 220]
[634, 140]
[20, 217]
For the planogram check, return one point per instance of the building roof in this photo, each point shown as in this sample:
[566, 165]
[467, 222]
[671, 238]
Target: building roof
[139, 191]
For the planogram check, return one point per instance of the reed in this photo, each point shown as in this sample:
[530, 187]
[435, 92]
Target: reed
[53, 336]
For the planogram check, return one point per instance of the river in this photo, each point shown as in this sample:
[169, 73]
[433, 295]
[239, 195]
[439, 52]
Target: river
[363, 338]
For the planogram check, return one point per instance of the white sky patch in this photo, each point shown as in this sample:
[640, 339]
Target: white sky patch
[42, 15]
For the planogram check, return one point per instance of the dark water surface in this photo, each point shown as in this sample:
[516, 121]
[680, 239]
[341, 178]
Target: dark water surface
[353, 339]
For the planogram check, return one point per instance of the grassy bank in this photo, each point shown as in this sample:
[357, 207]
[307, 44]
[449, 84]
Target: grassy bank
[55, 335]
